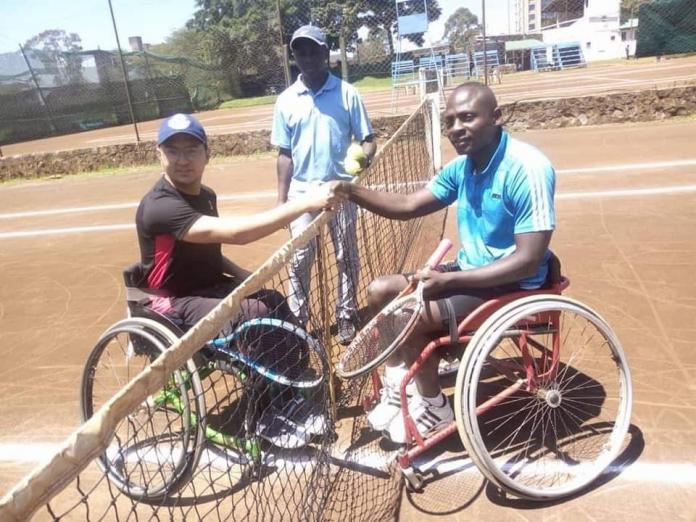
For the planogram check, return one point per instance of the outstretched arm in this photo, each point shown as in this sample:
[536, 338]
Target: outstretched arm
[284, 168]
[391, 204]
[523, 262]
[245, 229]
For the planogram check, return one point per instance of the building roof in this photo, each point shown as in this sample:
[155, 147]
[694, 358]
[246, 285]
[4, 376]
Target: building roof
[522, 45]
[629, 24]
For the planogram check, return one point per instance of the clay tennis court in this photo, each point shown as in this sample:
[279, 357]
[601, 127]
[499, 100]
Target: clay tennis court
[626, 205]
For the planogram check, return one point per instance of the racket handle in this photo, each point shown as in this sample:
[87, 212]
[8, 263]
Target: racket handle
[439, 253]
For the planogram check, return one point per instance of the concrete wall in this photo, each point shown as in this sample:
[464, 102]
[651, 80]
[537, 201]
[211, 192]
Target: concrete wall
[615, 108]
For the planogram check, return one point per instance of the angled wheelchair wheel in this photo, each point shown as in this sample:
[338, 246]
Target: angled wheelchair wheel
[543, 397]
[154, 448]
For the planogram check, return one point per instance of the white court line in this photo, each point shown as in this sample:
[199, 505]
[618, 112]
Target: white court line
[652, 191]
[120, 206]
[663, 472]
[59, 231]
[269, 193]
[630, 166]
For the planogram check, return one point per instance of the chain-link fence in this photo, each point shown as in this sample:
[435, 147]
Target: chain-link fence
[239, 49]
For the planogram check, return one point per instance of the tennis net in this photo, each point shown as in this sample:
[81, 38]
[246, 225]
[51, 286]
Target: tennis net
[178, 430]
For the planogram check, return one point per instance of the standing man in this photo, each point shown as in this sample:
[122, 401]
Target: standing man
[504, 193]
[180, 236]
[313, 124]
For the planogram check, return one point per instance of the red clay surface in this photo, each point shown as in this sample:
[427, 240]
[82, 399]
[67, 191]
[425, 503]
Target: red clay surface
[626, 207]
[631, 75]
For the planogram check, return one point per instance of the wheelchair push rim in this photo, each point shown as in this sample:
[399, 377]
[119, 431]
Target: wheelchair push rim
[543, 397]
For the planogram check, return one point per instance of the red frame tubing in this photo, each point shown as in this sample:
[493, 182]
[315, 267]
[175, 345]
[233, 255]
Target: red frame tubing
[474, 320]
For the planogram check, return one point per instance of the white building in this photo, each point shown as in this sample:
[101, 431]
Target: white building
[592, 23]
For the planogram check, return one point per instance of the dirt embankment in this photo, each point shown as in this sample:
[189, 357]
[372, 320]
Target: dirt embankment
[567, 112]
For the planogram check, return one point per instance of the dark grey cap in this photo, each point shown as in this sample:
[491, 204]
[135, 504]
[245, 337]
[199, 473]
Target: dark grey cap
[310, 32]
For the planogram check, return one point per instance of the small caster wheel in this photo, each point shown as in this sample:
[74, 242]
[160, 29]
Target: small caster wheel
[413, 479]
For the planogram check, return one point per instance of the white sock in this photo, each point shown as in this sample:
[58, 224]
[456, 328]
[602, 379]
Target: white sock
[438, 401]
[393, 375]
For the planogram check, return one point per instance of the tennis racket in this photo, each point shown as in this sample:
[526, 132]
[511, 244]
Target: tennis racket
[267, 344]
[387, 330]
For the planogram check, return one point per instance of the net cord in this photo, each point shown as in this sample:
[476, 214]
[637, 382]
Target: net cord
[91, 439]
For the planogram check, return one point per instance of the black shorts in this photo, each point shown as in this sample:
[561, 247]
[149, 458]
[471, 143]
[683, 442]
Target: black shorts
[464, 303]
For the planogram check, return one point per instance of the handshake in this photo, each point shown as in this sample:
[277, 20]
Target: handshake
[328, 195]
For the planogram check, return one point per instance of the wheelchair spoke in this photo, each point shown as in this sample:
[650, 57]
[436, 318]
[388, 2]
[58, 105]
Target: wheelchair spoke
[553, 438]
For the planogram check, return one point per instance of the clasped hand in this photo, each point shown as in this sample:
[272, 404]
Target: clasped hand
[327, 195]
[434, 283]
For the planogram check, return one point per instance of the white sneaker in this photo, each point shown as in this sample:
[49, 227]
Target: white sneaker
[387, 408]
[281, 431]
[428, 418]
[306, 414]
[389, 405]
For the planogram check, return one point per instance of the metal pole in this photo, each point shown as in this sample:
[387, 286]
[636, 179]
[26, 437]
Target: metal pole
[38, 89]
[125, 75]
[283, 47]
[485, 58]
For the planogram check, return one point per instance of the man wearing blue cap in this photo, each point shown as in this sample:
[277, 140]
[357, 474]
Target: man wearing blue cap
[180, 235]
[314, 121]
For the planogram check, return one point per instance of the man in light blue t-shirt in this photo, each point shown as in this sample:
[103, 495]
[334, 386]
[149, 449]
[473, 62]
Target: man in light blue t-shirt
[314, 121]
[505, 215]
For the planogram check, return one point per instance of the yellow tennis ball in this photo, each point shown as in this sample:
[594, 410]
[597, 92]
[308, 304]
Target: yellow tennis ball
[352, 166]
[355, 151]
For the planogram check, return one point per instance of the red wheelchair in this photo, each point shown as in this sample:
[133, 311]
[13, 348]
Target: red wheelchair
[542, 398]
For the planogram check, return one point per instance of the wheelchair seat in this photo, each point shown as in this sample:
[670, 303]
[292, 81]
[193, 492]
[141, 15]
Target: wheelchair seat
[138, 297]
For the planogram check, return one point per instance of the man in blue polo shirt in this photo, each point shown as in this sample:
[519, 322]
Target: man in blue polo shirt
[314, 121]
[505, 215]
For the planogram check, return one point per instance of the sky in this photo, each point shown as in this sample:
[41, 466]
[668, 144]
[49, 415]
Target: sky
[151, 19]
[155, 19]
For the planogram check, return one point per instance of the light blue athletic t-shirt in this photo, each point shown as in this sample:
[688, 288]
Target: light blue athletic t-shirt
[317, 127]
[513, 195]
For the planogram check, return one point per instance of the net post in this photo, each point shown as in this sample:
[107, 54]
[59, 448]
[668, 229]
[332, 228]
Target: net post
[433, 132]
[322, 273]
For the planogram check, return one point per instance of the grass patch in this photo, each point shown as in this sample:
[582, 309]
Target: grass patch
[370, 83]
[249, 102]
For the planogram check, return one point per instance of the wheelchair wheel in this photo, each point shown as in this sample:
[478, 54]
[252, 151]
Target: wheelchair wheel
[543, 397]
[155, 447]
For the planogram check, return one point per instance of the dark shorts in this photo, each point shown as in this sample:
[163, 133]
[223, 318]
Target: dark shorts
[275, 351]
[463, 304]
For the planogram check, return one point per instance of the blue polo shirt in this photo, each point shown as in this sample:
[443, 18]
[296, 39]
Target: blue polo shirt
[512, 195]
[317, 127]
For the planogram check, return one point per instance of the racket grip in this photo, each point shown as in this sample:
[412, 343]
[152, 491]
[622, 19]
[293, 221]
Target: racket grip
[439, 253]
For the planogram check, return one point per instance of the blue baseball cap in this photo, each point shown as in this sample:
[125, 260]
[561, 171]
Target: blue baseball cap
[311, 32]
[181, 124]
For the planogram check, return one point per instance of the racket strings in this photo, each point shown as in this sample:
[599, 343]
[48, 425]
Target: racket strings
[276, 349]
[380, 335]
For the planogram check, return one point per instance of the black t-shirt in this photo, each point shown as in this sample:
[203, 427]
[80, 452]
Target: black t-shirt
[172, 265]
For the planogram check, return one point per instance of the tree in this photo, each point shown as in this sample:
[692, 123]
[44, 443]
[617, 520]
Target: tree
[461, 28]
[339, 19]
[244, 37]
[57, 50]
[192, 54]
[630, 8]
[375, 47]
[382, 14]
